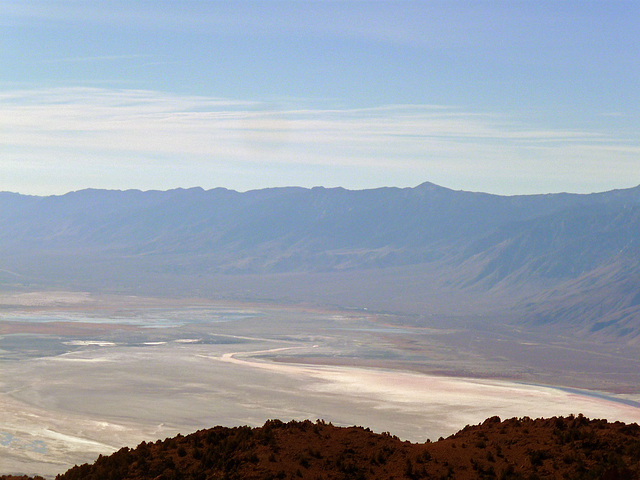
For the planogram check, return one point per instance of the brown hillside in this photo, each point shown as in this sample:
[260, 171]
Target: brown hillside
[572, 448]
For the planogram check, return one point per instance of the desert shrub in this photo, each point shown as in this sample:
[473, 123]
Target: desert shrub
[632, 429]
[509, 473]
[314, 453]
[423, 457]
[632, 448]
[560, 423]
[536, 457]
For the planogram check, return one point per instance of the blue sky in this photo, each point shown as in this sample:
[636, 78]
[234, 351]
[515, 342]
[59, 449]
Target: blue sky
[505, 97]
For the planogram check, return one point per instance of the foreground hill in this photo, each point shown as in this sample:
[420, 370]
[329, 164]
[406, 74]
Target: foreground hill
[562, 259]
[572, 447]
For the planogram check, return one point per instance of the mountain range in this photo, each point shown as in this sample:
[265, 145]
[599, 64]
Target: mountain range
[555, 259]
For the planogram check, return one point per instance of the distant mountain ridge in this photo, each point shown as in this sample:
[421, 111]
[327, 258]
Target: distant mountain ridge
[290, 220]
[481, 241]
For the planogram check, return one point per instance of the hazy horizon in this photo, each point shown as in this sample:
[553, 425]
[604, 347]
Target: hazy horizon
[222, 187]
[499, 97]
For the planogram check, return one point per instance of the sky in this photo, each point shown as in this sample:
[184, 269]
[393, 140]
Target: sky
[510, 97]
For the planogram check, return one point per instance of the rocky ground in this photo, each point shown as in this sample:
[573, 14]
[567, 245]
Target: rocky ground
[559, 447]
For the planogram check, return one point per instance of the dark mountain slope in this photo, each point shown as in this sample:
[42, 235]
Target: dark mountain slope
[573, 447]
[563, 245]
[604, 302]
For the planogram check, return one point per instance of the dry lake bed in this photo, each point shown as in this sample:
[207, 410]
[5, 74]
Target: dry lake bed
[84, 375]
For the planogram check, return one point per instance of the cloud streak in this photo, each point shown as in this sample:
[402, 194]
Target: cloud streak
[109, 135]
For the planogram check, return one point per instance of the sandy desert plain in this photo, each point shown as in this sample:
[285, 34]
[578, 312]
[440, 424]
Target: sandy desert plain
[84, 375]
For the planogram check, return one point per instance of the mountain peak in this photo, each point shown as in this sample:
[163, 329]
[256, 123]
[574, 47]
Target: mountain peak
[431, 186]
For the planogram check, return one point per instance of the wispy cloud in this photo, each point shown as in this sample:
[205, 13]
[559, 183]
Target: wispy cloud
[392, 22]
[214, 141]
[96, 58]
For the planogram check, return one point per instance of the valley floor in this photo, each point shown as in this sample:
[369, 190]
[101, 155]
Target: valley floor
[84, 375]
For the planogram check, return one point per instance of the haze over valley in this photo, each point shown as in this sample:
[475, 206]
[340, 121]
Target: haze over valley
[564, 262]
[408, 216]
[129, 315]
